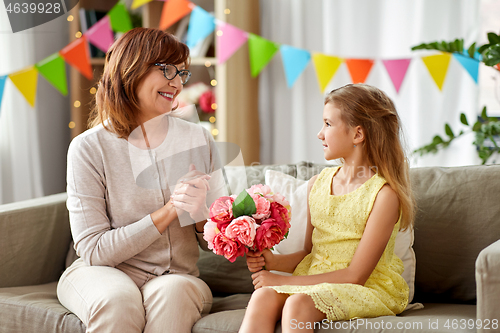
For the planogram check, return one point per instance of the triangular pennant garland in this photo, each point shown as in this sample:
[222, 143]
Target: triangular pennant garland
[77, 55]
[53, 69]
[138, 3]
[261, 51]
[359, 69]
[100, 34]
[438, 67]
[229, 40]
[120, 18]
[2, 86]
[294, 62]
[326, 67]
[471, 65]
[26, 81]
[397, 70]
[201, 24]
[173, 11]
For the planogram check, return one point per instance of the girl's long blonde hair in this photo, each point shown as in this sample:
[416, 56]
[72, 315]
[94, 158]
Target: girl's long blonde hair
[369, 107]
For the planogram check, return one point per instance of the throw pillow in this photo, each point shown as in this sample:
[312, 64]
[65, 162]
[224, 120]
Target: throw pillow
[295, 191]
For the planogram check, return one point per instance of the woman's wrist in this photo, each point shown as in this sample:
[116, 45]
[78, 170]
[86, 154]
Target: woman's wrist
[164, 216]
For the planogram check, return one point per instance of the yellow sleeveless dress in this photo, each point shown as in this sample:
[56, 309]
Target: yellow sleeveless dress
[339, 222]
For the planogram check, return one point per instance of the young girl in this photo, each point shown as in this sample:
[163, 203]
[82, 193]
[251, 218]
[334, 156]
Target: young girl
[348, 268]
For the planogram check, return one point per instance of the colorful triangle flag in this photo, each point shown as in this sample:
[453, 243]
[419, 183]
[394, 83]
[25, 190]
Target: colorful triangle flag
[294, 62]
[26, 81]
[229, 40]
[138, 3]
[201, 24]
[53, 69]
[438, 67]
[326, 67]
[2, 86]
[396, 69]
[471, 65]
[173, 11]
[359, 69]
[100, 34]
[261, 51]
[76, 54]
[120, 18]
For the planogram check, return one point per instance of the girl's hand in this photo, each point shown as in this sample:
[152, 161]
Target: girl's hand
[257, 260]
[265, 278]
[190, 194]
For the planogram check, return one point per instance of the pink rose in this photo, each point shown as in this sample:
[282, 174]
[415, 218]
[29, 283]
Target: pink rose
[268, 234]
[242, 229]
[280, 213]
[228, 248]
[221, 211]
[209, 231]
[262, 205]
[262, 190]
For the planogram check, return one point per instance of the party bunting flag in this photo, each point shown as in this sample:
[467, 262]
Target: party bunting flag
[326, 67]
[119, 17]
[138, 3]
[2, 86]
[294, 62]
[26, 80]
[201, 24]
[261, 51]
[438, 67]
[53, 69]
[100, 34]
[229, 40]
[471, 65]
[359, 69]
[397, 70]
[173, 11]
[76, 54]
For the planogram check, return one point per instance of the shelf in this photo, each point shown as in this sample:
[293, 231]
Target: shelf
[97, 61]
[198, 61]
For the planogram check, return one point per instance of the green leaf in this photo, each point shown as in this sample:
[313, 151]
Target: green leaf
[448, 131]
[483, 47]
[458, 45]
[493, 38]
[491, 56]
[484, 115]
[463, 119]
[472, 50]
[243, 205]
[437, 140]
[477, 126]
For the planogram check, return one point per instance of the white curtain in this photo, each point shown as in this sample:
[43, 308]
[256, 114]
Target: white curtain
[33, 141]
[373, 29]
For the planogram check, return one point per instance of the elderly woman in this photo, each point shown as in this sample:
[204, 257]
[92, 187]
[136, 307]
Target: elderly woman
[137, 182]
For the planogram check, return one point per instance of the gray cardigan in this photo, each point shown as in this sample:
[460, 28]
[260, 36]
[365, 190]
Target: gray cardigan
[113, 186]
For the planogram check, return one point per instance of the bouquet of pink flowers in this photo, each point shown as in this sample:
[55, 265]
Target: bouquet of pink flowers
[256, 219]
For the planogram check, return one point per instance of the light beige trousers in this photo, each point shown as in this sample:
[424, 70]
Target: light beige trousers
[126, 299]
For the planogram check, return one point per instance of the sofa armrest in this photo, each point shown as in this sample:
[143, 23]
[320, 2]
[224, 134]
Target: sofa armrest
[34, 241]
[488, 284]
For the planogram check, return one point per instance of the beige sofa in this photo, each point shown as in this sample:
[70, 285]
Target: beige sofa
[457, 248]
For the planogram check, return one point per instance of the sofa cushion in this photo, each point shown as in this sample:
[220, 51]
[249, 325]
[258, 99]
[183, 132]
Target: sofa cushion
[224, 277]
[439, 318]
[458, 216]
[35, 309]
[44, 220]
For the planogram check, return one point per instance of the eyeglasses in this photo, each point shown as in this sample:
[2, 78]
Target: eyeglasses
[170, 72]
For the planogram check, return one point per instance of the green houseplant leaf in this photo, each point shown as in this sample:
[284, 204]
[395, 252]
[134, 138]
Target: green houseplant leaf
[463, 119]
[243, 205]
[448, 131]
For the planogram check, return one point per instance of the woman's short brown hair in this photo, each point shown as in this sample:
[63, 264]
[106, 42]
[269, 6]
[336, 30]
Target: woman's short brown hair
[127, 62]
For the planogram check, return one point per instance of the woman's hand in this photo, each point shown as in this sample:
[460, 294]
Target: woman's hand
[265, 278]
[190, 194]
[256, 261]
